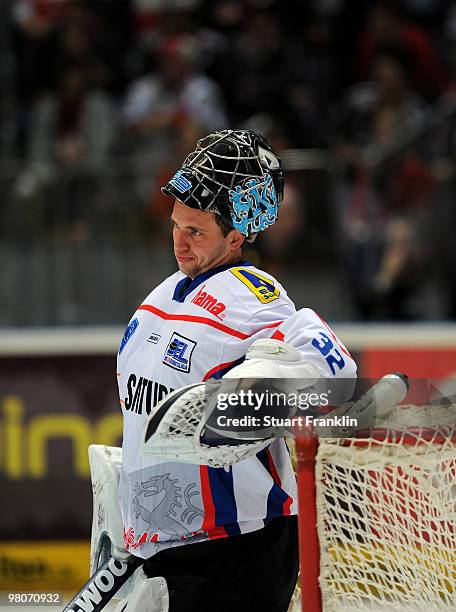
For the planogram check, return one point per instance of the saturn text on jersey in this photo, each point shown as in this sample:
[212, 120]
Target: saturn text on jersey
[143, 393]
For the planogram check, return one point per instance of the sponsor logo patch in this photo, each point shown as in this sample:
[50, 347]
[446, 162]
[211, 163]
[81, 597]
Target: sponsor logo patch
[263, 288]
[178, 353]
[180, 182]
[131, 328]
[209, 303]
[153, 338]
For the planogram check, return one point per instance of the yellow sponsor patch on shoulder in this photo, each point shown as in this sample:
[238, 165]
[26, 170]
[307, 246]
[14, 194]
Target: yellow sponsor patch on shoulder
[263, 288]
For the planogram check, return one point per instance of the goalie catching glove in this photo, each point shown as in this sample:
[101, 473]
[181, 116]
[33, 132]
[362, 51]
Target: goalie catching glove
[178, 430]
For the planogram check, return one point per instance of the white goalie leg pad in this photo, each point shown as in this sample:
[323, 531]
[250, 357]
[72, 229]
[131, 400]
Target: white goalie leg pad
[107, 525]
[147, 595]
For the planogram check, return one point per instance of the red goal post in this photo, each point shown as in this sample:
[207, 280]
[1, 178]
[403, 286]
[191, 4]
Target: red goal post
[306, 447]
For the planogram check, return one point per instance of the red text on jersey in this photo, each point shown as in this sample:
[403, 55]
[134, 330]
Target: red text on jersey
[209, 303]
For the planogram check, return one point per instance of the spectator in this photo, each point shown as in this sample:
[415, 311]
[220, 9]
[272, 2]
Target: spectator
[35, 36]
[400, 269]
[384, 186]
[88, 42]
[158, 104]
[279, 248]
[36, 24]
[71, 138]
[270, 72]
[76, 126]
[49, 35]
[386, 26]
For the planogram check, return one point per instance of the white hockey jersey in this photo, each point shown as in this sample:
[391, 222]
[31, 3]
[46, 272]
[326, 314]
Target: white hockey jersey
[188, 331]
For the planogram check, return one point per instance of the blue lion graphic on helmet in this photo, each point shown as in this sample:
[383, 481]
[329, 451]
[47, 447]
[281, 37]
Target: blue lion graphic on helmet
[254, 205]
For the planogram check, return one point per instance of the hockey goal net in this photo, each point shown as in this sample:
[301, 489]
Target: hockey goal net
[384, 507]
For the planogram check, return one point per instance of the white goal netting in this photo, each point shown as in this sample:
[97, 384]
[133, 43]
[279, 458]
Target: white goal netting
[386, 508]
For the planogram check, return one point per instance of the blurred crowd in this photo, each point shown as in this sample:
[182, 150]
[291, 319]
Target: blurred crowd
[106, 97]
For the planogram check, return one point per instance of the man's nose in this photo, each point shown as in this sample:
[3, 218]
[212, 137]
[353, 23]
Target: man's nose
[180, 240]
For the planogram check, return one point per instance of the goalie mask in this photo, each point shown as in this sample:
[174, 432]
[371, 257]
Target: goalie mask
[235, 174]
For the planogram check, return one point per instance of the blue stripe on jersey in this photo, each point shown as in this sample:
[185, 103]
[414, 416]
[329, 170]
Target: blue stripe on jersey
[222, 490]
[276, 496]
[218, 375]
[187, 284]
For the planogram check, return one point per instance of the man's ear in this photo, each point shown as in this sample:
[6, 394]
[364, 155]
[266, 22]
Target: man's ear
[236, 239]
